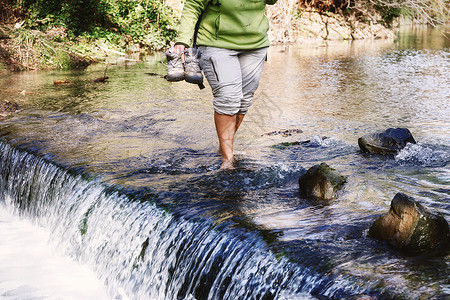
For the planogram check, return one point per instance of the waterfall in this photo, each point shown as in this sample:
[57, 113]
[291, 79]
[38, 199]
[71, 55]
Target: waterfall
[141, 250]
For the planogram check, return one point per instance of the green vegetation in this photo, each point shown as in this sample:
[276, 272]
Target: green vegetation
[75, 33]
[149, 23]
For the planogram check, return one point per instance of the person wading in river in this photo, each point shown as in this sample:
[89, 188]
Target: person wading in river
[232, 38]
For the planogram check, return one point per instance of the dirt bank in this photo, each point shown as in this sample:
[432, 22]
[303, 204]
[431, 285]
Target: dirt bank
[288, 26]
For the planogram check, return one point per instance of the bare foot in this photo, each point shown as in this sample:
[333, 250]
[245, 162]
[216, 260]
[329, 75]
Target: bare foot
[227, 164]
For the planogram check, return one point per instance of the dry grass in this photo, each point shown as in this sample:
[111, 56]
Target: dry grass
[36, 50]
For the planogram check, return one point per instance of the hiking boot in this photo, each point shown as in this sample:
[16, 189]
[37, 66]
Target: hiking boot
[192, 71]
[175, 68]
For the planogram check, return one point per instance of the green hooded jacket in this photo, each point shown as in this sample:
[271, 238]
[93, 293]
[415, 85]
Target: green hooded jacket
[230, 24]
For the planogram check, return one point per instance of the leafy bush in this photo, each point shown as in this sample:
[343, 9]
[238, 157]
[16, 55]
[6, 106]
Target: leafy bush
[150, 23]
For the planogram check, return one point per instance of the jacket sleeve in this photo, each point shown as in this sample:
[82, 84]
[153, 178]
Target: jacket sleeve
[270, 2]
[192, 11]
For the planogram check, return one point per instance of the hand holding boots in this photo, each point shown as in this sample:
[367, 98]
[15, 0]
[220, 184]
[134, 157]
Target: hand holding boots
[189, 69]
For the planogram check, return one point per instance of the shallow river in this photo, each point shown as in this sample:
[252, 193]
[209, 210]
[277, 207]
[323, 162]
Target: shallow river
[146, 149]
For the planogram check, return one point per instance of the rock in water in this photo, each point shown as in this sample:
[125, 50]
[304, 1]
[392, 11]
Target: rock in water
[320, 182]
[389, 141]
[408, 226]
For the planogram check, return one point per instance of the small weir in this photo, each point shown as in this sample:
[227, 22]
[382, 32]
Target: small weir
[144, 252]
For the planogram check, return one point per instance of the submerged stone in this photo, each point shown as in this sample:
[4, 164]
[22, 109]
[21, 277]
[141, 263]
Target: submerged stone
[410, 227]
[389, 141]
[320, 182]
[7, 107]
[284, 132]
[316, 141]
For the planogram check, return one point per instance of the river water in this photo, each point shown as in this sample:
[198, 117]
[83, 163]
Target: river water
[111, 190]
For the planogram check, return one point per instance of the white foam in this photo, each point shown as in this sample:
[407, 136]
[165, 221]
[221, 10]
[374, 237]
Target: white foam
[318, 141]
[30, 268]
[421, 154]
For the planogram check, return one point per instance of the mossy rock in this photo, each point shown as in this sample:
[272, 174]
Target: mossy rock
[410, 227]
[321, 182]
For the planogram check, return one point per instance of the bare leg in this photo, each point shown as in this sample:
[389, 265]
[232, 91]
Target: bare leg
[239, 119]
[226, 128]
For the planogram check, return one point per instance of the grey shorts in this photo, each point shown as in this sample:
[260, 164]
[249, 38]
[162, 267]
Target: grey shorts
[233, 76]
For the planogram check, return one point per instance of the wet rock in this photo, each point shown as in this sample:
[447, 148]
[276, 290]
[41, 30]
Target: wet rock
[284, 132]
[410, 227]
[316, 141]
[389, 141]
[320, 182]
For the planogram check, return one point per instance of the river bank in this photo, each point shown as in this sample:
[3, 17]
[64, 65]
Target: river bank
[26, 49]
